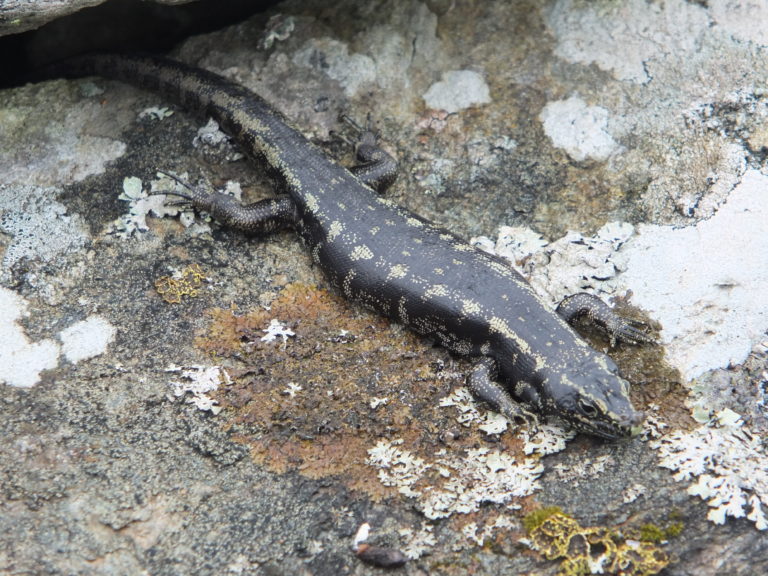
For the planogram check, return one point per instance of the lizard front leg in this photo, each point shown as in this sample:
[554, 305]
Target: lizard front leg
[481, 382]
[603, 317]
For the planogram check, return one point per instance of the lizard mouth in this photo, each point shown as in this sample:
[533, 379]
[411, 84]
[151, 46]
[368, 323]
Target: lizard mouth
[630, 425]
[607, 430]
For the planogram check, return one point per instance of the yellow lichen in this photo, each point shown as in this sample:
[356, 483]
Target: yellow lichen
[592, 550]
[186, 283]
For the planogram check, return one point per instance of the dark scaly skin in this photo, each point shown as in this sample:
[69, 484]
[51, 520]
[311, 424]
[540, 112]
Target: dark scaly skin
[397, 263]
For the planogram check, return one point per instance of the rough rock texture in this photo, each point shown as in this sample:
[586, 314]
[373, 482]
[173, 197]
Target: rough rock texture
[18, 16]
[254, 425]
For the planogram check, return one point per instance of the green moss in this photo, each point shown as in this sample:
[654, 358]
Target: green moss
[654, 533]
[651, 533]
[538, 516]
[674, 529]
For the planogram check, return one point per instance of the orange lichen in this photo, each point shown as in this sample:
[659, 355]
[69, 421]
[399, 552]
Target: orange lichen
[317, 402]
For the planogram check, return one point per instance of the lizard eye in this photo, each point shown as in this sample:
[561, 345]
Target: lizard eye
[589, 409]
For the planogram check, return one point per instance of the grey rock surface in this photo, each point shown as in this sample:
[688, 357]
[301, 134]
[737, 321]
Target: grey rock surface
[18, 16]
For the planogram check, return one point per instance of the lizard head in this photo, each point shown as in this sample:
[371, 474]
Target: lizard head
[592, 398]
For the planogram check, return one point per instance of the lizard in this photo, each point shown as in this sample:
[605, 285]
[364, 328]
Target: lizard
[529, 361]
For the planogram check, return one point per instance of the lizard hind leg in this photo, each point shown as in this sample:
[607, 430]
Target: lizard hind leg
[262, 217]
[377, 169]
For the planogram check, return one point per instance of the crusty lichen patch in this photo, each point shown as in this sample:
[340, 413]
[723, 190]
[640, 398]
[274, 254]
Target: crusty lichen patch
[195, 383]
[352, 397]
[727, 462]
[184, 283]
[307, 403]
[591, 550]
[455, 482]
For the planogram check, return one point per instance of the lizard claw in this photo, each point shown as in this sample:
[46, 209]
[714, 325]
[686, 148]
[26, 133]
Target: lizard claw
[625, 332]
[524, 418]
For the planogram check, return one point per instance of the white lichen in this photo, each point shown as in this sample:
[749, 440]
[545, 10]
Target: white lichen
[376, 402]
[470, 415]
[196, 382]
[633, 492]
[156, 112]
[473, 533]
[292, 389]
[396, 467]
[590, 468]
[653, 425]
[515, 243]
[211, 139]
[87, 338]
[37, 227]
[462, 400]
[417, 543]
[494, 423]
[332, 58]
[626, 38]
[725, 465]
[457, 90]
[275, 330]
[466, 480]
[142, 203]
[579, 129]
[721, 265]
[21, 360]
[549, 439]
